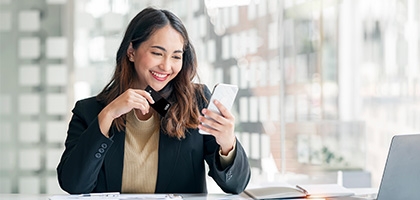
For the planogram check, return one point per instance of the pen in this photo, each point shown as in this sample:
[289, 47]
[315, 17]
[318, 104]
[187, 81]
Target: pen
[106, 194]
[303, 190]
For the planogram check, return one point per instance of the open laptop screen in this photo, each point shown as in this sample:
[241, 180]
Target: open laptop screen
[401, 177]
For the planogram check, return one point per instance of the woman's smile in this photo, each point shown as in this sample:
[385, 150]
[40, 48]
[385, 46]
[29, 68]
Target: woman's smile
[159, 76]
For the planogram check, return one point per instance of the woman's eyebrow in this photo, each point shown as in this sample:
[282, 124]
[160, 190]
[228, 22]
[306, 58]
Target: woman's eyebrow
[163, 49]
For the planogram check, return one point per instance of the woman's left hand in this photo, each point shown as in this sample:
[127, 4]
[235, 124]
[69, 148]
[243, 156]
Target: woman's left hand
[220, 126]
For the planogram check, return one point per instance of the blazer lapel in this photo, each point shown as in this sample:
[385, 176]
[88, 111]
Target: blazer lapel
[169, 149]
[114, 162]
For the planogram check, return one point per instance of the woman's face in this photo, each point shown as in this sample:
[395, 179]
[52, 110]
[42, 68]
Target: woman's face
[159, 59]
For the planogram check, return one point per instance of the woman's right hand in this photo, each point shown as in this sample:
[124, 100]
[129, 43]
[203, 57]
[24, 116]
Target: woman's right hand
[131, 98]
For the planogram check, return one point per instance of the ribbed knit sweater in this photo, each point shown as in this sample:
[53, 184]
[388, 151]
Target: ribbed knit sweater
[140, 155]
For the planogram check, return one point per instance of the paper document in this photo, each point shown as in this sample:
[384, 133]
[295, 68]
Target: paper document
[116, 196]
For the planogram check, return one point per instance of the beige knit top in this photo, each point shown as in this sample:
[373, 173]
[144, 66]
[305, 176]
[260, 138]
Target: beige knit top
[140, 155]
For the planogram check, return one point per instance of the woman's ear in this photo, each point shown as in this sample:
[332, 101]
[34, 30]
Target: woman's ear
[130, 52]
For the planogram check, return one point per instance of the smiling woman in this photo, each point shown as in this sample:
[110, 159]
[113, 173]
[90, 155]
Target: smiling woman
[116, 142]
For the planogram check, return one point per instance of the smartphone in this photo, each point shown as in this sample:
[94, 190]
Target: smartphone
[225, 94]
[161, 105]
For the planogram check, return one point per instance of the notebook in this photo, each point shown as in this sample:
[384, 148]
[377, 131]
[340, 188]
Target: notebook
[298, 191]
[401, 176]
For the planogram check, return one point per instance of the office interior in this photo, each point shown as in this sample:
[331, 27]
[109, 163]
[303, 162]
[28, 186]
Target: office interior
[323, 84]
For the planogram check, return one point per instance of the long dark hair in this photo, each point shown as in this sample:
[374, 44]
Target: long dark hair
[181, 91]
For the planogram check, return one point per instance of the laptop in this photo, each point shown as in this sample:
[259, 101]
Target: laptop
[401, 176]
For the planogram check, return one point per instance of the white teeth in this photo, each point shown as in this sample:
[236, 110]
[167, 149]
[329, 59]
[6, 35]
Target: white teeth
[159, 75]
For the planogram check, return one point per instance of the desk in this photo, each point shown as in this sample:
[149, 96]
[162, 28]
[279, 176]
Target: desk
[362, 192]
[185, 196]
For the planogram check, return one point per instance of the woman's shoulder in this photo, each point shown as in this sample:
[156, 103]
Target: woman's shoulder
[200, 87]
[91, 104]
[88, 101]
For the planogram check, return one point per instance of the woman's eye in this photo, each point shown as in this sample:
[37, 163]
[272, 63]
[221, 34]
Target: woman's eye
[177, 57]
[156, 53]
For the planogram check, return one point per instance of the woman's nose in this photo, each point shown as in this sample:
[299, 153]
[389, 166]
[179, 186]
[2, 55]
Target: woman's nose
[165, 65]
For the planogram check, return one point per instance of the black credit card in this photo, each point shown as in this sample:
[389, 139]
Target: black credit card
[161, 105]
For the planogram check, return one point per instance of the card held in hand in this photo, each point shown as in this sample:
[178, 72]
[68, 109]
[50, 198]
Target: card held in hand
[161, 105]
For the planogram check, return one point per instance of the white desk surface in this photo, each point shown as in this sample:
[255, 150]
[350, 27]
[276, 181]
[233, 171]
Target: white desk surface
[362, 192]
[185, 196]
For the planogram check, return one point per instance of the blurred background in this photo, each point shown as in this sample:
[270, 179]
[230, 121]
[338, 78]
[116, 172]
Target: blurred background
[324, 84]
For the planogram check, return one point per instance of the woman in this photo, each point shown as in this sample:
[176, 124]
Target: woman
[117, 143]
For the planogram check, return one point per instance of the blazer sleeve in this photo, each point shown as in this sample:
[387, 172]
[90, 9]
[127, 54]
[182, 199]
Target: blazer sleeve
[85, 149]
[235, 177]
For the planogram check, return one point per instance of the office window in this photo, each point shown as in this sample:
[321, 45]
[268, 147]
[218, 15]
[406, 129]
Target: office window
[322, 87]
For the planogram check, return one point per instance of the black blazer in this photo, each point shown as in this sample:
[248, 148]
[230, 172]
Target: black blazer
[93, 163]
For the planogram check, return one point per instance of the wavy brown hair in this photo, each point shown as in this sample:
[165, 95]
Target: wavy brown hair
[181, 91]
